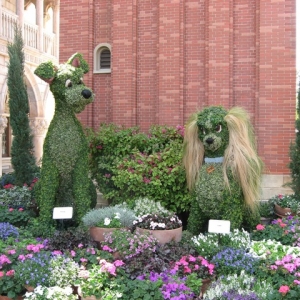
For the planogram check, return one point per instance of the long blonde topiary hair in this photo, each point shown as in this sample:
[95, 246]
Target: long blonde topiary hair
[240, 155]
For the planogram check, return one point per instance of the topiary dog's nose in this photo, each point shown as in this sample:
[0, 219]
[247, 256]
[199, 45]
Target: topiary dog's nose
[209, 141]
[86, 94]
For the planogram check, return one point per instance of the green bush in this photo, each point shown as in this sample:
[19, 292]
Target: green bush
[128, 164]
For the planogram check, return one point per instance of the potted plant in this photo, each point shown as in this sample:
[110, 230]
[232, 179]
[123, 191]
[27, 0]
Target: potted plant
[108, 218]
[157, 220]
[266, 211]
[10, 286]
[285, 205]
[51, 293]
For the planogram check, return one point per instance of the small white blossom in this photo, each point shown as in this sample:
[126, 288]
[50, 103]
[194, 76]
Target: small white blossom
[106, 221]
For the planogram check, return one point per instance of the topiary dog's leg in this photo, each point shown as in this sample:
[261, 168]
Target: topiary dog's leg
[195, 220]
[46, 191]
[81, 189]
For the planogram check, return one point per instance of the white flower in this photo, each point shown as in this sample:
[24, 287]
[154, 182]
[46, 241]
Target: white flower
[106, 221]
[117, 215]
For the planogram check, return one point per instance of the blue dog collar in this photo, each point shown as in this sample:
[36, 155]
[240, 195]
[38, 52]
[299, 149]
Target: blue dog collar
[213, 159]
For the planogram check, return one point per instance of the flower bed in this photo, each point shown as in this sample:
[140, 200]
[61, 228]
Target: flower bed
[263, 264]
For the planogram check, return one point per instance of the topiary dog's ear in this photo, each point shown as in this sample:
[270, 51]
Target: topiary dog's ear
[46, 71]
[77, 61]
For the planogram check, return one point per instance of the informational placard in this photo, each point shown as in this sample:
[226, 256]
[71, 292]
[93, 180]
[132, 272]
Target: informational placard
[219, 226]
[62, 212]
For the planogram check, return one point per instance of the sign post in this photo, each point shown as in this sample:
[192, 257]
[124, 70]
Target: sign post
[62, 213]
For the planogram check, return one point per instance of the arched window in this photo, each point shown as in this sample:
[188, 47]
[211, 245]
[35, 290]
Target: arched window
[102, 58]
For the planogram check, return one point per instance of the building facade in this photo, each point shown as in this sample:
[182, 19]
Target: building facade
[156, 62]
[39, 21]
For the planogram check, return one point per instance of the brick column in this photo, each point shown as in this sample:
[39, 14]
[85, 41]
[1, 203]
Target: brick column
[277, 88]
[124, 62]
[219, 38]
[169, 62]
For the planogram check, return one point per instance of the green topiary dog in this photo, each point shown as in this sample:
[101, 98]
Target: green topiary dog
[222, 168]
[64, 175]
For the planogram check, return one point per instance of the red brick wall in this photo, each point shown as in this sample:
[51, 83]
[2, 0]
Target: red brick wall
[173, 57]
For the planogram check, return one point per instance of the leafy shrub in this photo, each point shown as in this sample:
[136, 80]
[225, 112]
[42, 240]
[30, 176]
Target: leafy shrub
[16, 197]
[39, 229]
[8, 178]
[69, 239]
[8, 230]
[16, 217]
[128, 164]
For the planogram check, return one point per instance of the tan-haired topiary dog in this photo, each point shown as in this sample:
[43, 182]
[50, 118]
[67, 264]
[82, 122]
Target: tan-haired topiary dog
[222, 168]
[64, 175]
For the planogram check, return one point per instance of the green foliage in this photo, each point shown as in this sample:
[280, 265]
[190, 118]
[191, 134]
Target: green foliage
[266, 209]
[211, 124]
[22, 157]
[128, 165]
[16, 197]
[39, 229]
[14, 216]
[140, 289]
[65, 174]
[294, 164]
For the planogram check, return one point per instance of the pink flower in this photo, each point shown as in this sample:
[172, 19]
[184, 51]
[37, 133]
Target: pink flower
[13, 251]
[10, 273]
[260, 227]
[83, 259]
[283, 289]
[57, 252]
[20, 209]
[297, 282]
[118, 263]
[73, 253]
[1, 274]
[187, 269]
[106, 248]
[192, 258]
[21, 257]
[282, 225]
[80, 246]
[11, 209]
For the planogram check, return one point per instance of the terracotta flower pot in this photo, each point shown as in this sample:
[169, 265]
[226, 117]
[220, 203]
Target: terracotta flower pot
[164, 236]
[205, 285]
[29, 288]
[283, 212]
[7, 298]
[97, 233]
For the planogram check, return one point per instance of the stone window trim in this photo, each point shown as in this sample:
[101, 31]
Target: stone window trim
[97, 58]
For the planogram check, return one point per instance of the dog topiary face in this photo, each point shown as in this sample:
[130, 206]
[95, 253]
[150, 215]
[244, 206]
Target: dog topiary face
[66, 83]
[213, 131]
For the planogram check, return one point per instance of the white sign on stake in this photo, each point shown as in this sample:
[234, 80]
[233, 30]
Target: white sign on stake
[219, 226]
[62, 212]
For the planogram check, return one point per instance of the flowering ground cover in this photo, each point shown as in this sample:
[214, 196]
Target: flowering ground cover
[240, 265]
[68, 264]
